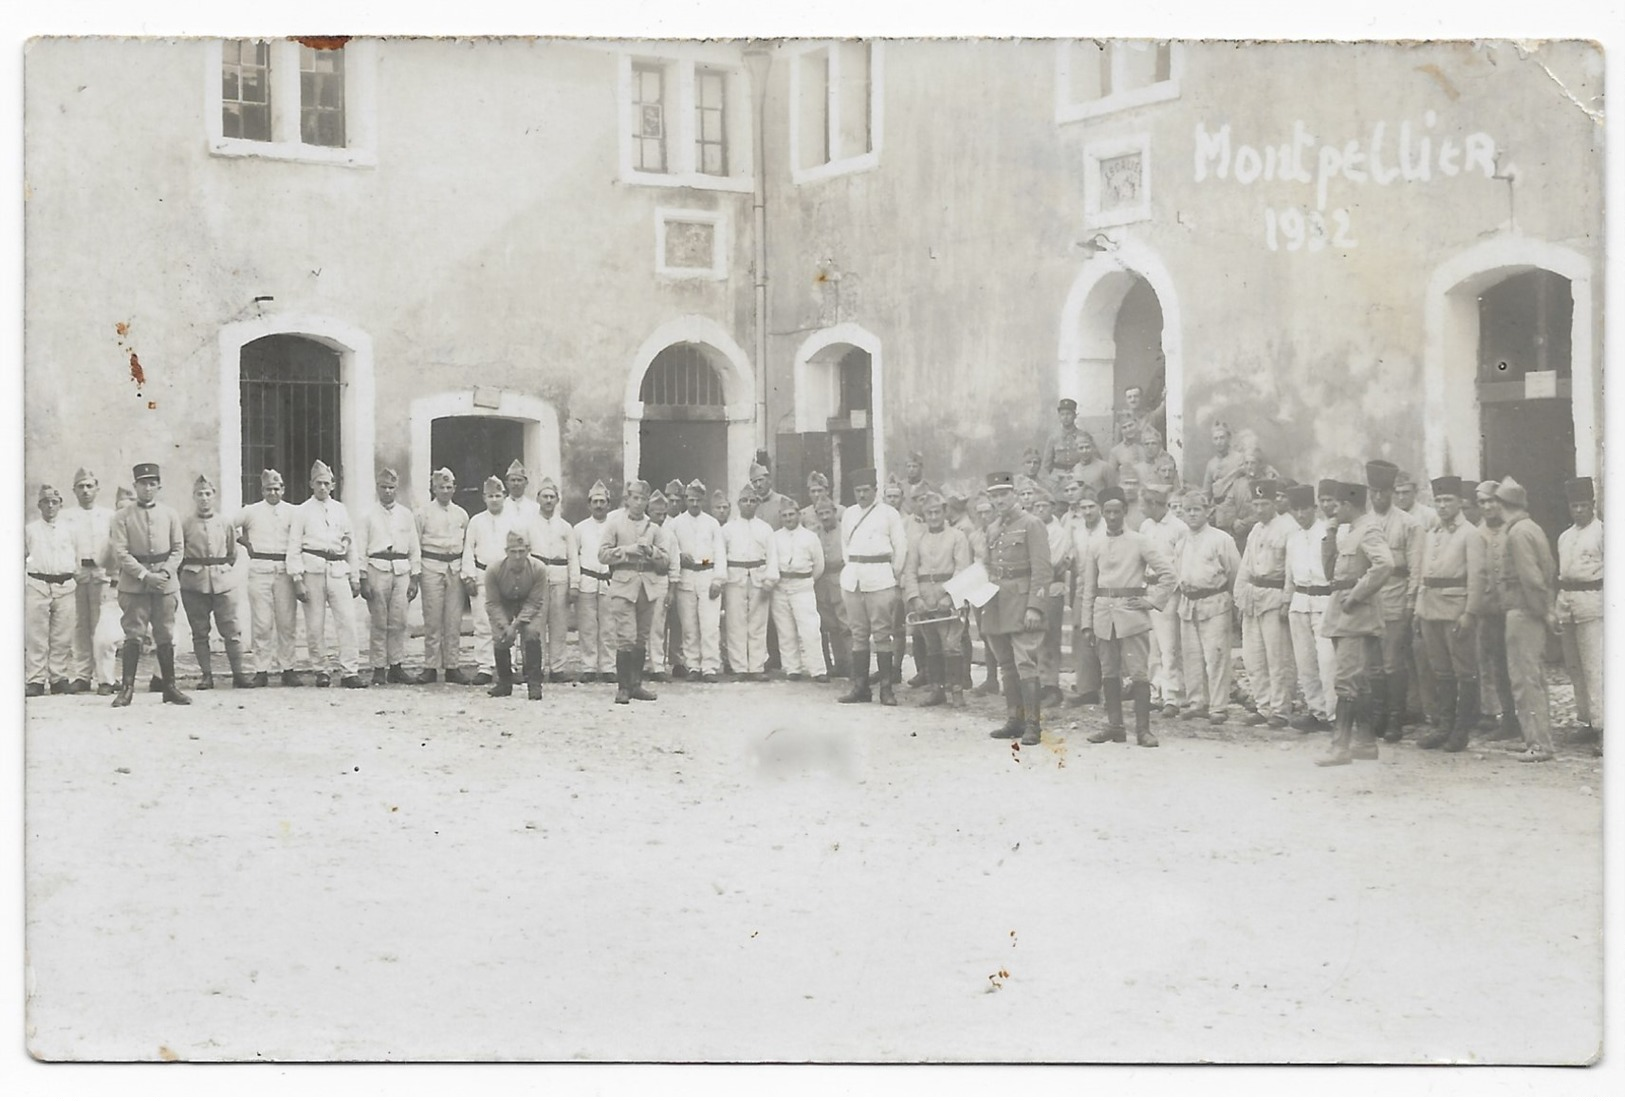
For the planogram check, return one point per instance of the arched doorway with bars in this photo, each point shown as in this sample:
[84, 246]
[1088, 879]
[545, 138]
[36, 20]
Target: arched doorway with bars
[690, 407]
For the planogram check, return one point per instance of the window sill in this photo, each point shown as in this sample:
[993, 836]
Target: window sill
[290, 151]
[863, 162]
[696, 180]
[1139, 97]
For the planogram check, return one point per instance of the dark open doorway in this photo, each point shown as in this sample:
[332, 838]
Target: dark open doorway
[684, 432]
[474, 448]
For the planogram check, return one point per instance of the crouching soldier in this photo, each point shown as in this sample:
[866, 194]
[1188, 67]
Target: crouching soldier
[209, 585]
[515, 603]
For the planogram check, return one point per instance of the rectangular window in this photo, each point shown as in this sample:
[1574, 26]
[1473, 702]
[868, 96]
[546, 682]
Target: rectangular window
[836, 108]
[321, 97]
[854, 96]
[648, 118]
[1097, 77]
[245, 95]
[814, 108]
[711, 122]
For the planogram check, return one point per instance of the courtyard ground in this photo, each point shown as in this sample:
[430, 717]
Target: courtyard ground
[753, 872]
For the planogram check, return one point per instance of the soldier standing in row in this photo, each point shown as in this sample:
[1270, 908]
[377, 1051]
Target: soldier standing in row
[147, 546]
[324, 562]
[1308, 592]
[209, 585]
[1495, 682]
[1087, 527]
[48, 601]
[1062, 567]
[1354, 623]
[935, 557]
[553, 544]
[390, 578]
[1527, 576]
[1166, 530]
[800, 558]
[594, 629]
[442, 535]
[831, 606]
[702, 565]
[1207, 568]
[1266, 636]
[515, 593]
[1447, 607]
[1579, 603]
[264, 527]
[1404, 536]
[1018, 562]
[747, 596]
[639, 554]
[89, 523]
[873, 546]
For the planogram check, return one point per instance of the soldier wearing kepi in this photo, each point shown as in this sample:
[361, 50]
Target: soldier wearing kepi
[48, 602]
[1018, 562]
[263, 532]
[873, 545]
[1063, 451]
[1354, 622]
[324, 563]
[89, 524]
[1526, 579]
[515, 603]
[594, 632]
[639, 555]
[442, 534]
[1403, 533]
[1579, 603]
[933, 559]
[209, 585]
[1114, 606]
[394, 571]
[553, 544]
[1447, 606]
[702, 566]
[148, 545]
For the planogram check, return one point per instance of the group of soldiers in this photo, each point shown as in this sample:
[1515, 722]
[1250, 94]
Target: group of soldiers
[1345, 594]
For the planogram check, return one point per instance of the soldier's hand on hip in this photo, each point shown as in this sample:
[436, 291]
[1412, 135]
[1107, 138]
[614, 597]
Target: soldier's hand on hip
[1033, 620]
[1137, 604]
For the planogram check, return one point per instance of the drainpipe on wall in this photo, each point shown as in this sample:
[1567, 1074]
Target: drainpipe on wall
[759, 59]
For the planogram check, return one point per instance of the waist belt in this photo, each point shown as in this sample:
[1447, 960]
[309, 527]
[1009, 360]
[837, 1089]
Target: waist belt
[205, 561]
[1580, 586]
[389, 555]
[795, 575]
[597, 575]
[551, 561]
[52, 578]
[700, 566]
[150, 559]
[331, 556]
[1267, 582]
[1121, 592]
[1400, 571]
[998, 574]
[752, 564]
[870, 558]
[1345, 583]
[1444, 582]
[1199, 594]
[639, 567]
[1315, 590]
[263, 557]
[88, 563]
[441, 556]
[481, 566]
[937, 577]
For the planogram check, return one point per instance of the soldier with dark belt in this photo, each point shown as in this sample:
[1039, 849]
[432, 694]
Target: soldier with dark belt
[1013, 621]
[148, 545]
[874, 544]
[209, 585]
[516, 603]
[1403, 533]
[1063, 451]
[1447, 607]
[1354, 622]
[639, 554]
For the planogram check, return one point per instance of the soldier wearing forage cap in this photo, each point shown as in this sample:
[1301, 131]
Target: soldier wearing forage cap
[1018, 563]
[325, 565]
[1526, 580]
[442, 535]
[593, 628]
[1166, 530]
[1495, 682]
[817, 490]
[48, 601]
[209, 584]
[873, 546]
[1062, 564]
[800, 556]
[832, 620]
[914, 483]
[263, 529]
[89, 524]
[660, 509]
[702, 555]
[1125, 578]
[1308, 591]
[752, 572]
[1447, 607]
[770, 502]
[486, 543]
[393, 572]
[1354, 622]
[639, 553]
[933, 559]
[1404, 535]
[1579, 602]
[147, 544]
[515, 593]
[1405, 488]
[1260, 594]
[553, 544]
[517, 480]
[1206, 570]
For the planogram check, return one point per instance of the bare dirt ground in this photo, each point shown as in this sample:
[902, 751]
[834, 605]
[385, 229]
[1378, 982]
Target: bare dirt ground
[753, 872]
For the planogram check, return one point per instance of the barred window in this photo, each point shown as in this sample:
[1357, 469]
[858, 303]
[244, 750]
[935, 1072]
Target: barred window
[245, 96]
[682, 375]
[648, 118]
[321, 96]
[289, 390]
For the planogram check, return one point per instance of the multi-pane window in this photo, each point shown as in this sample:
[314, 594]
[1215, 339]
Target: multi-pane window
[1098, 76]
[649, 118]
[321, 96]
[711, 122]
[245, 95]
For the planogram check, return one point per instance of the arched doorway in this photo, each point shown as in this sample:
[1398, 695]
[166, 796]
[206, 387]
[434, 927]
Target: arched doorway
[476, 433]
[684, 431]
[839, 411]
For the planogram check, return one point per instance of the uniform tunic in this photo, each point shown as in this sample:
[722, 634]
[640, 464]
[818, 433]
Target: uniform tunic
[1404, 535]
[639, 554]
[442, 534]
[49, 614]
[1308, 592]
[752, 560]
[90, 528]
[1266, 634]
[800, 557]
[1063, 451]
[699, 614]
[1167, 672]
[209, 580]
[1579, 612]
[1526, 580]
[1019, 563]
[932, 559]
[593, 629]
[553, 544]
[485, 546]
[322, 551]
[1353, 618]
[263, 530]
[1495, 682]
[874, 545]
[1451, 585]
[832, 619]
[515, 596]
[1115, 572]
[389, 537]
[147, 539]
[1207, 567]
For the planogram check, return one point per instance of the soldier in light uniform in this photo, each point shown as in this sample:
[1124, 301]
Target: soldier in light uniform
[800, 557]
[1032, 460]
[753, 570]
[1418, 674]
[1495, 682]
[263, 532]
[486, 543]
[874, 544]
[892, 495]
[1308, 591]
[1222, 469]
[1260, 594]
[593, 627]
[553, 544]
[1062, 567]
[1207, 569]
[49, 616]
[442, 535]
[1447, 606]
[1527, 579]
[666, 642]
[702, 557]
[324, 563]
[934, 558]
[1579, 603]
[209, 584]
[1166, 530]
[1354, 622]
[831, 605]
[524, 508]
[391, 577]
[515, 594]
[1405, 500]
[89, 523]
[639, 553]
[1404, 535]
[147, 545]
[1018, 562]
[1086, 527]
[1125, 577]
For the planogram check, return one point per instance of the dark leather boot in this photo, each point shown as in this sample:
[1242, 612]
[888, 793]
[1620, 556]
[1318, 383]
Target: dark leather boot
[1397, 689]
[1142, 715]
[1373, 709]
[234, 657]
[166, 668]
[1365, 731]
[130, 655]
[635, 670]
[504, 684]
[922, 664]
[1114, 731]
[397, 675]
[1445, 699]
[1342, 736]
[936, 675]
[859, 692]
[205, 680]
[1031, 697]
[623, 678]
[533, 668]
[1015, 711]
[888, 677]
[1466, 715]
[991, 685]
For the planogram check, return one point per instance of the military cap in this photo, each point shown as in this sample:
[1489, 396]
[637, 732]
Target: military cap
[1264, 489]
[517, 467]
[929, 499]
[269, 477]
[1380, 474]
[916, 456]
[1580, 491]
[48, 492]
[1154, 494]
[1404, 479]
[493, 484]
[1066, 405]
[696, 487]
[1447, 486]
[202, 482]
[146, 470]
[1089, 494]
[864, 477]
[1327, 488]
[1351, 492]
[817, 480]
[719, 496]
[1112, 493]
[388, 477]
[1300, 496]
[749, 492]
[443, 476]
[1002, 479]
[657, 495]
[757, 470]
[675, 488]
[81, 476]
[1030, 453]
[1486, 489]
[318, 469]
[636, 485]
[518, 539]
[599, 489]
[547, 483]
[789, 505]
[1510, 492]
[893, 480]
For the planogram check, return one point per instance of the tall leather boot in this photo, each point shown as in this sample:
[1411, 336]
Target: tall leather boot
[205, 680]
[635, 669]
[1031, 697]
[1112, 689]
[922, 663]
[936, 665]
[1365, 730]
[234, 657]
[1142, 715]
[1444, 692]
[623, 676]
[166, 669]
[1373, 709]
[859, 692]
[1342, 736]
[888, 677]
[130, 655]
[1398, 688]
[1015, 710]
[533, 667]
[504, 684]
[1466, 715]
[991, 685]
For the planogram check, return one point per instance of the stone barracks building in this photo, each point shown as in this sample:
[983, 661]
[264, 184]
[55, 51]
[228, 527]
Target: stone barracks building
[622, 258]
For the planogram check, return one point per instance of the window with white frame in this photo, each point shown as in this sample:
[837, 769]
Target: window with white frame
[686, 121]
[1095, 77]
[287, 99]
[835, 101]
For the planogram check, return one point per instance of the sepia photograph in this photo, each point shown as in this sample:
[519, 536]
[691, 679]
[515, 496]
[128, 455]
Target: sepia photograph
[847, 549]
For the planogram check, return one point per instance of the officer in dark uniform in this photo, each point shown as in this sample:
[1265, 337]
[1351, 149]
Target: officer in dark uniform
[1018, 561]
[1063, 451]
